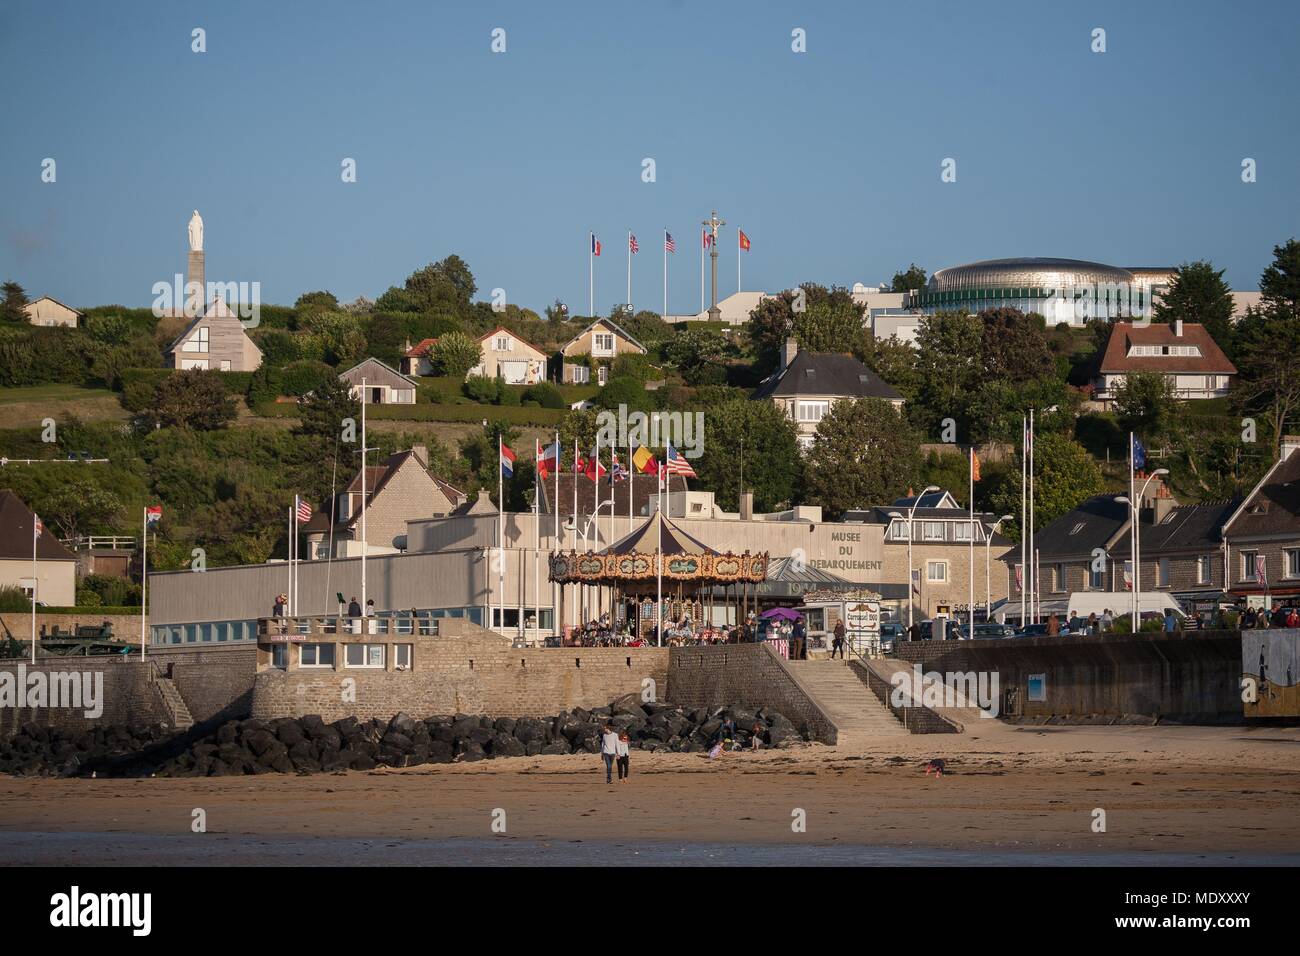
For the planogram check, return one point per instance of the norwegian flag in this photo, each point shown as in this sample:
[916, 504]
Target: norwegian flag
[676, 464]
[670, 244]
[304, 510]
[595, 245]
[632, 246]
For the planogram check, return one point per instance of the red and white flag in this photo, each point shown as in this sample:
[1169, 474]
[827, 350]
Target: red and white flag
[40, 526]
[304, 511]
[152, 515]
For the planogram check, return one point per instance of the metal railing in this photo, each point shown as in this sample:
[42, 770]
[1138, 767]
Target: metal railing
[100, 542]
[397, 624]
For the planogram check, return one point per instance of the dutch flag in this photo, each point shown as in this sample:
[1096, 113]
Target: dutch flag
[507, 462]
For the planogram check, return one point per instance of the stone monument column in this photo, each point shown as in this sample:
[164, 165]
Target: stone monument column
[713, 223]
[195, 282]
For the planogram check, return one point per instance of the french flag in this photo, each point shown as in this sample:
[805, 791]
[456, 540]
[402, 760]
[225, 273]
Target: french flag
[595, 245]
[507, 462]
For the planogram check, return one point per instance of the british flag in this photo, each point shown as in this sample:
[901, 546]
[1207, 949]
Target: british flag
[632, 244]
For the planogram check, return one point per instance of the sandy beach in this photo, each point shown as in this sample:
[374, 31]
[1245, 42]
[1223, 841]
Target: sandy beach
[1226, 795]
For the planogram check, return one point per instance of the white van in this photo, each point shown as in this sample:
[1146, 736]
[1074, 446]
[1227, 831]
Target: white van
[1120, 603]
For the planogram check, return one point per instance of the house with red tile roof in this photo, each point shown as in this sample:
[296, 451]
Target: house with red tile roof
[501, 352]
[1183, 352]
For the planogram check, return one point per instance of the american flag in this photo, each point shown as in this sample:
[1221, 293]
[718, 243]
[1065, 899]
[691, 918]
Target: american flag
[304, 510]
[676, 464]
[669, 242]
[631, 244]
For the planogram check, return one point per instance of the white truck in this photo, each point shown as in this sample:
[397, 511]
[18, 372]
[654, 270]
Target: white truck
[1120, 604]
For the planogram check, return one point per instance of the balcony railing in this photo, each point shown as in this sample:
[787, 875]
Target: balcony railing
[305, 627]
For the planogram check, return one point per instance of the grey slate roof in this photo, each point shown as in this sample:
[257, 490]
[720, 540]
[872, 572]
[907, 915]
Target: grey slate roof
[827, 373]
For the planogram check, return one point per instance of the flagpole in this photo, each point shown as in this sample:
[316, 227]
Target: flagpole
[1132, 534]
[659, 565]
[288, 595]
[665, 312]
[1033, 593]
[591, 276]
[144, 581]
[702, 234]
[971, 563]
[537, 538]
[631, 477]
[365, 542]
[629, 270]
[35, 520]
[738, 251]
[501, 537]
[1024, 515]
[581, 590]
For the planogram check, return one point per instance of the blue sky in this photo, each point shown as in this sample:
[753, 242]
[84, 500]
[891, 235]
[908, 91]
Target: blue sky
[829, 160]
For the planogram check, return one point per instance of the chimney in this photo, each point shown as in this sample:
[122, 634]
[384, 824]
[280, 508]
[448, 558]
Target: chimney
[1161, 503]
[1289, 444]
[788, 351]
[1178, 328]
[746, 506]
[421, 452]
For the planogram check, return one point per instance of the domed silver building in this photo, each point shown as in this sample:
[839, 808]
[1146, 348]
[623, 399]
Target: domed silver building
[1061, 290]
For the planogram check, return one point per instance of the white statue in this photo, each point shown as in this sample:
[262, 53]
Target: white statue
[196, 232]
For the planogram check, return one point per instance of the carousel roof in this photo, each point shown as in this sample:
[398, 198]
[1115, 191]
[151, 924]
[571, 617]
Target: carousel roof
[635, 559]
[646, 540]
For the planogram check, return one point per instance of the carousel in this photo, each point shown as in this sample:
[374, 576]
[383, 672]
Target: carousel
[708, 589]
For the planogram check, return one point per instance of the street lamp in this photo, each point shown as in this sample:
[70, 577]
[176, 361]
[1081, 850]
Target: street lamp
[988, 575]
[911, 513]
[1137, 541]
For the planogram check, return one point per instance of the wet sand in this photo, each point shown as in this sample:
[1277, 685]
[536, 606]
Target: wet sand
[1170, 794]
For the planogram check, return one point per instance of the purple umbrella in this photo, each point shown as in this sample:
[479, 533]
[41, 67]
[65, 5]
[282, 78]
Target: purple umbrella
[782, 613]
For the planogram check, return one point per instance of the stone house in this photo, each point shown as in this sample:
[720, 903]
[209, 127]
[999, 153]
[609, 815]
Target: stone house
[48, 311]
[600, 342]
[401, 489]
[806, 385]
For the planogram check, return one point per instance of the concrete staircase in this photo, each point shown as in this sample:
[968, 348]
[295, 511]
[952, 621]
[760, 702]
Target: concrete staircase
[858, 715]
[181, 719]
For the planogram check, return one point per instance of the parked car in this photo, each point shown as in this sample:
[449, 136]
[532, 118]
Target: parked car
[1031, 630]
[952, 631]
[890, 634]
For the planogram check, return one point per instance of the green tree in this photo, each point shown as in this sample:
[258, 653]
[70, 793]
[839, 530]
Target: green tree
[949, 363]
[749, 444]
[194, 399]
[697, 352]
[1198, 294]
[1145, 404]
[454, 354]
[1014, 345]
[446, 286]
[11, 307]
[330, 421]
[317, 302]
[1065, 476]
[863, 453]
[779, 317]
[833, 324]
[910, 281]
[1279, 285]
[894, 361]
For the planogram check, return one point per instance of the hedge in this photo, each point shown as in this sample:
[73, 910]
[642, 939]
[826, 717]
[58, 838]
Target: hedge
[513, 414]
[236, 383]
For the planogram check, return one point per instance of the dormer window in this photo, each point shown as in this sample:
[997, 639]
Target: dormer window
[503, 343]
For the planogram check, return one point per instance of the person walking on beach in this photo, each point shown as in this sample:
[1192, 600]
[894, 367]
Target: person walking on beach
[624, 746]
[608, 751]
[837, 644]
